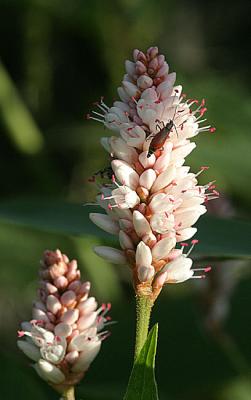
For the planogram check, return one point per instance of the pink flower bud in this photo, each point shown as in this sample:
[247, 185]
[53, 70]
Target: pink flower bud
[70, 316]
[61, 282]
[86, 321]
[72, 356]
[68, 298]
[63, 329]
[53, 304]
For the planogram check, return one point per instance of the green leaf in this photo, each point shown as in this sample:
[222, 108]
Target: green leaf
[142, 384]
[219, 238]
[51, 215]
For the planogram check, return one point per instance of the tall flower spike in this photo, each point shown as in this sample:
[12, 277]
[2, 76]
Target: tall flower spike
[155, 200]
[67, 328]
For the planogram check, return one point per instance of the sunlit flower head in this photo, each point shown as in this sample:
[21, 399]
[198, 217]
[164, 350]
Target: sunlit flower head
[152, 200]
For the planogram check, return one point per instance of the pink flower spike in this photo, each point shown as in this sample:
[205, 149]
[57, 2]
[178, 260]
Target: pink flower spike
[60, 344]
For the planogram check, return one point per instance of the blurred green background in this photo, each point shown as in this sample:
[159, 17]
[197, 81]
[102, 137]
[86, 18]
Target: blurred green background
[57, 58]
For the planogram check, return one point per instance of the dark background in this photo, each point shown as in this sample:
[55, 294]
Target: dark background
[60, 56]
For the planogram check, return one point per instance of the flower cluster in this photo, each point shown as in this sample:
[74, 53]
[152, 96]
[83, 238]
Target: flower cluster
[153, 200]
[65, 334]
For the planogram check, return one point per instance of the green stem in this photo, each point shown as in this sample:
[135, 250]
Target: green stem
[143, 312]
[68, 394]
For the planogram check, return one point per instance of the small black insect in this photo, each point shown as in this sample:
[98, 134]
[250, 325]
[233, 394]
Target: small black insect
[159, 139]
[105, 173]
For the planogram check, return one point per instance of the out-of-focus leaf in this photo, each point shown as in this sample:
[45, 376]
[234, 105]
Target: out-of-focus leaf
[219, 238]
[21, 127]
[103, 275]
[142, 384]
[54, 216]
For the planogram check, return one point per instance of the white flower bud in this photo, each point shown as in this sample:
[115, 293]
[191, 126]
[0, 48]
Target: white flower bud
[110, 254]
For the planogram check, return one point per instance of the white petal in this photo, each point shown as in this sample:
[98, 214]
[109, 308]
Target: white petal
[125, 241]
[164, 179]
[130, 67]
[182, 151]
[188, 217]
[178, 270]
[130, 89]
[39, 314]
[143, 255]
[123, 95]
[147, 162]
[110, 254]
[105, 143]
[141, 225]
[120, 149]
[29, 349]
[104, 222]
[144, 82]
[162, 223]
[125, 173]
[145, 273]
[133, 135]
[163, 248]
[161, 202]
[49, 372]
[163, 161]
[87, 356]
[147, 178]
[185, 234]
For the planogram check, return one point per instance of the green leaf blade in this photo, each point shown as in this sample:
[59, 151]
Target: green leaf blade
[142, 384]
[220, 238]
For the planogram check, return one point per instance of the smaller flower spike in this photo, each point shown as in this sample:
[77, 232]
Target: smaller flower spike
[67, 328]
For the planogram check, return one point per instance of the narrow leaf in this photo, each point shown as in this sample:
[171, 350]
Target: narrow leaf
[142, 384]
[220, 238]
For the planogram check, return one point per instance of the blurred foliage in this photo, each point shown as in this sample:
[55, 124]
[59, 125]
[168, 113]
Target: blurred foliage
[58, 57]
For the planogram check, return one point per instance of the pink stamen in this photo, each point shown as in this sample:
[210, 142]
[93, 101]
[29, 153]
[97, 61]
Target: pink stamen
[20, 333]
[37, 322]
[194, 241]
[212, 130]
[204, 168]
[184, 244]
[202, 111]
[208, 268]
